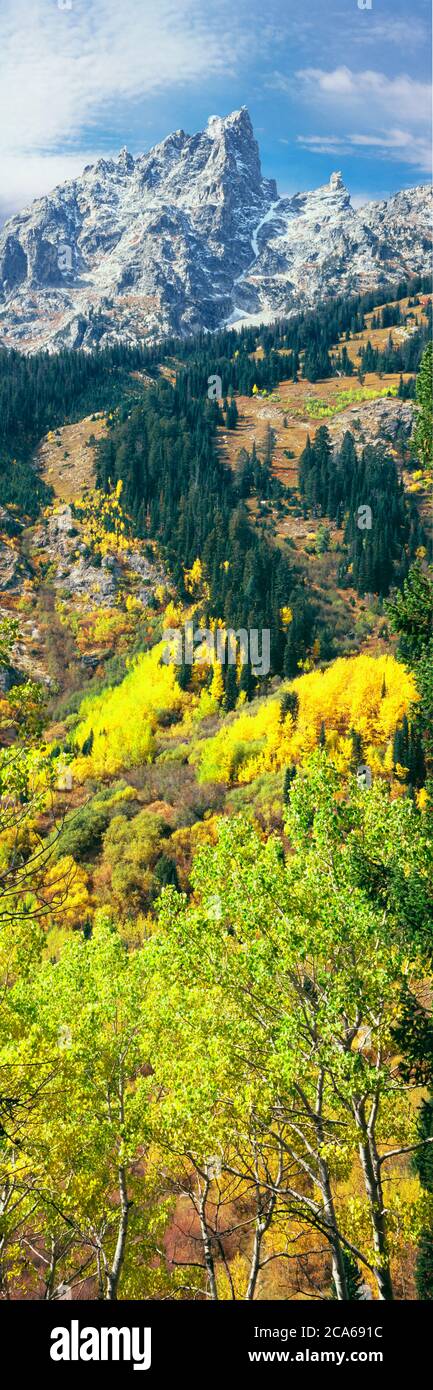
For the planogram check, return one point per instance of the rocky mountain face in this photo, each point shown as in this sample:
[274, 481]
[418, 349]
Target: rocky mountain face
[191, 236]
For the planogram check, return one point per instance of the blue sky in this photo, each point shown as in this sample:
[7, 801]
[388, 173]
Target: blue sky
[329, 85]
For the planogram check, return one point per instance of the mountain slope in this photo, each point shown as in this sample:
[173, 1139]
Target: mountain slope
[191, 236]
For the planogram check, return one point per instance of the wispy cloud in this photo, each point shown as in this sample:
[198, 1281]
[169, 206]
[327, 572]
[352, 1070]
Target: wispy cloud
[390, 115]
[391, 144]
[403, 34]
[323, 144]
[23, 179]
[66, 69]
[401, 96]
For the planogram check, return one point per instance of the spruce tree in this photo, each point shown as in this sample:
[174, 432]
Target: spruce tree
[422, 434]
[165, 872]
[247, 682]
[424, 1166]
[230, 687]
[289, 777]
[289, 704]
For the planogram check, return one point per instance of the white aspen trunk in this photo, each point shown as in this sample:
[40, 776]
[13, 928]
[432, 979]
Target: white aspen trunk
[207, 1245]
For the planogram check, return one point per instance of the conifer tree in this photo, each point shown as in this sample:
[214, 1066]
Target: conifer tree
[422, 437]
[230, 687]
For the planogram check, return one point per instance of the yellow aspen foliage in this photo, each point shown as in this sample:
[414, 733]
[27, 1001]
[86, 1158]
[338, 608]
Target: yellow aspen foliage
[422, 799]
[66, 893]
[121, 722]
[388, 761]
[217, 685]
[206, 705]
[366, 694]
[195, 581]
[104, 523]
[133, 604]
[193, 577]
[172, 616]
[286, 615]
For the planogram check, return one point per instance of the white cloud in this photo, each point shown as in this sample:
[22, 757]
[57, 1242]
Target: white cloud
[371, 92]
[391, 144]
[358, 200]
[323, 144]
[65, 70]
[400, 144]
[404, 33]
[390, 115]
[25, 179]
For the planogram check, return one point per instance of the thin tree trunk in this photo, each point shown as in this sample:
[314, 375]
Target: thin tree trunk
[373, 1186]
[113, 1274]
[263, 1222]
[207, 1243]
[51, 1273]
[338, 1266]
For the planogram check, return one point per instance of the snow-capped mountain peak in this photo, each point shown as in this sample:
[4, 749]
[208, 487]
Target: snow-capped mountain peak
[191, 235]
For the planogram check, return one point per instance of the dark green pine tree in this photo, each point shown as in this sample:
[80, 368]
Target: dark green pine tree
[300, 634]
[422, 437]
[141, 521]
[306, 465]
[400, 747]
[289, 777]
[311, 364]
[165, 872]
[232, 414]
[289, 704]
[184, 674]
[347, 466]
[424, 1267]
[416, 760]
[247, 681]
[230, 687]
[346, 362]
[357, 751]
[324, 465]
[424, 1167]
